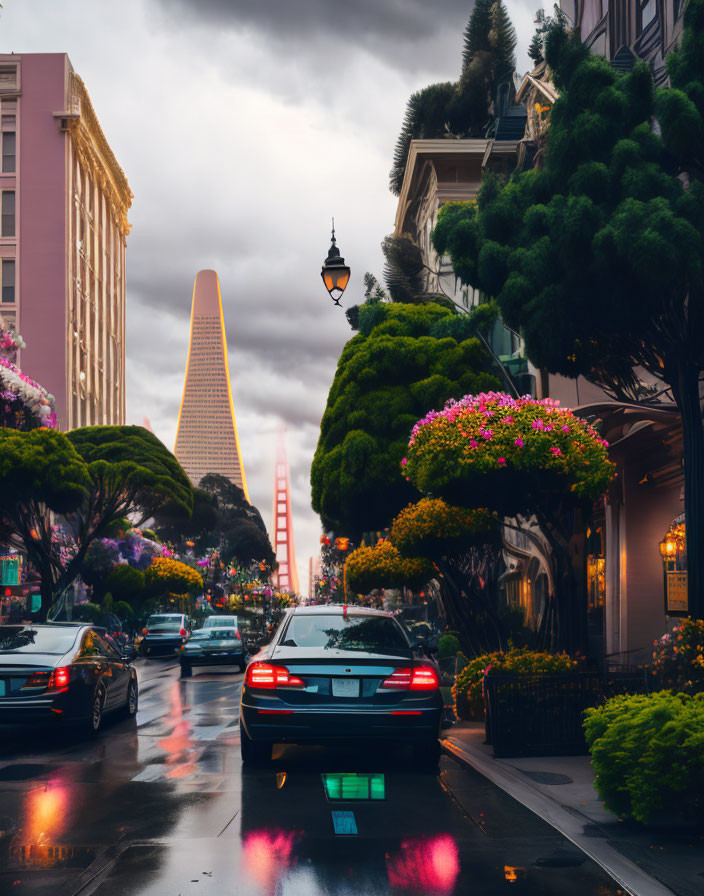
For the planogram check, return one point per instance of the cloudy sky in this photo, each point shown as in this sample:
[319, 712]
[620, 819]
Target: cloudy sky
[243, 126]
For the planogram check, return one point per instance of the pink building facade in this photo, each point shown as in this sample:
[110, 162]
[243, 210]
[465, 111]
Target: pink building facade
[63, 230]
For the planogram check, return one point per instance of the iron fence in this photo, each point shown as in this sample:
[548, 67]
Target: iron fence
[541, 715]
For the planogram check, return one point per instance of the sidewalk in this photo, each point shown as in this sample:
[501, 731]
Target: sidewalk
[652, 862]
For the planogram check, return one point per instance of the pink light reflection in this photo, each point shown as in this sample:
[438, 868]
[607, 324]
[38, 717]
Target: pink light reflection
[427, 865]
[266, 854]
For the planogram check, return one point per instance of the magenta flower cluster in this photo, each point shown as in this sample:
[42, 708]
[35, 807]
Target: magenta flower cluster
[525, 434]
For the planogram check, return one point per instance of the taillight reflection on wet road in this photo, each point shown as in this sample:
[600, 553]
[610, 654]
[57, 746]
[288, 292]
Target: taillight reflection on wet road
[428, 865]
[266, 854]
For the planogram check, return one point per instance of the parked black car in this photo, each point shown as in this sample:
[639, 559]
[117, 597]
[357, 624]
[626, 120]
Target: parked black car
[63, 671]
[212, 647]
[335, 673]
[164, 634]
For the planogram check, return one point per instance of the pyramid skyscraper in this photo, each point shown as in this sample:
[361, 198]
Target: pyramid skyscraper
[206, 438]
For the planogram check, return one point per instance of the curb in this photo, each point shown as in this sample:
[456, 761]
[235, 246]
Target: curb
[565, 819]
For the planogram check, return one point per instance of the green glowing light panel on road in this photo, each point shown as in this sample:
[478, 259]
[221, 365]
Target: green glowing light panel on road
[350, 786]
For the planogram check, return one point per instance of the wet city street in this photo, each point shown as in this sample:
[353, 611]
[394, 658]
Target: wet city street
[164, 807]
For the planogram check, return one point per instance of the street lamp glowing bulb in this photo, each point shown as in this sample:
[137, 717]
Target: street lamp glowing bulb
[335, 273]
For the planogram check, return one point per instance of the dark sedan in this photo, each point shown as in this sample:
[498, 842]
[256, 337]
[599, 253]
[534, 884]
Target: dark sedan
[164, 634]
[334, 673]
[212, 647]
[63, 672]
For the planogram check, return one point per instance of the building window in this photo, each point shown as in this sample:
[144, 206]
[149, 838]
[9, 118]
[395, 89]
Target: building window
[8, 77]
[8, 152]
[648, 13]
[8, 279]
[7, 226]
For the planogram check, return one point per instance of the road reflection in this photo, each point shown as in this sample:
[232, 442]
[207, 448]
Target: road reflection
[267, 855]
[430, 866]
[392, 833]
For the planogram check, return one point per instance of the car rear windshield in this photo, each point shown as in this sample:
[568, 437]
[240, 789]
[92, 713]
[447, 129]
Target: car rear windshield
[375, 634]
[219, 621]
[164, 622]
[213, 634]
[25, 639]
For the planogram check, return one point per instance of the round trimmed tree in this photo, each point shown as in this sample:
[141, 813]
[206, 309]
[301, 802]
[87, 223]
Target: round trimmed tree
[170, 579]
[387, 377]
[382, 566]
[520, 458]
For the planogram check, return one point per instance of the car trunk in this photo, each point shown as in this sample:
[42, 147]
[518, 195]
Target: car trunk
[16, 671]
[225, 645]
[340, 677]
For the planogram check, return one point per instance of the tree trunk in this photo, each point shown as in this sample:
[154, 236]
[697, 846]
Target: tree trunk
[458, 618]
[685, 387]
[569, 632]
[46, 589]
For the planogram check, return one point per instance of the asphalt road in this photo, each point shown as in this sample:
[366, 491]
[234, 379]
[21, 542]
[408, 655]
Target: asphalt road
[162, 807]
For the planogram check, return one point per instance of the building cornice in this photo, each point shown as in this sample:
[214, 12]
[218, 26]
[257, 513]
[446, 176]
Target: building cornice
[94, 151]
[423, 150]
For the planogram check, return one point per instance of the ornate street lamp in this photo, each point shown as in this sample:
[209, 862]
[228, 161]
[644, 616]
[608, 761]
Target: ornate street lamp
[335, 272]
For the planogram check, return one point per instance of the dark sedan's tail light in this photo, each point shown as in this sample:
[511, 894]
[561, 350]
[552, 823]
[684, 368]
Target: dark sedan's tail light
[400, 680]
[425, 678]
[52, 681]
[182, 632]
[145, 631]
[270, 677]
[37, 680]
[421, 678]
[60, 678]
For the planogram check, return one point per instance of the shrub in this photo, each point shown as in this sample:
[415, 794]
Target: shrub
[648, 754]
[87, 612]
[679, 658]
[381, 566]
[166, 575]
[448, 645]
[468, 690]
[126, 583]
[123, 610]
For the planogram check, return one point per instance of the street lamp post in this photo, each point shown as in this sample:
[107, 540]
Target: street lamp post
[335, 272]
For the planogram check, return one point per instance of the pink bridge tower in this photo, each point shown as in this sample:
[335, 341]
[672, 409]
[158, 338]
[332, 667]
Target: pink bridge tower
[287, 575]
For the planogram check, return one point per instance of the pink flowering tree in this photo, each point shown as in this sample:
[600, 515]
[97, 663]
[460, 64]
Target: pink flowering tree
[24, 404]
[520, 458]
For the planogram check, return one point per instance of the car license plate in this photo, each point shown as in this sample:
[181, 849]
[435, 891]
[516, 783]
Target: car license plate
[345, 687]
[2, 687]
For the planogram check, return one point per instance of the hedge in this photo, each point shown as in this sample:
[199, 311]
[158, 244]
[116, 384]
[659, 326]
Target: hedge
[468, 688]
[648, 755]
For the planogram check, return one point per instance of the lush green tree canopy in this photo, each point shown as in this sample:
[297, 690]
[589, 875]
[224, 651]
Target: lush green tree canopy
[39, 470]
[132, 468]
[222, 520]
[92, 477]
[596, 257]
[387, 377]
